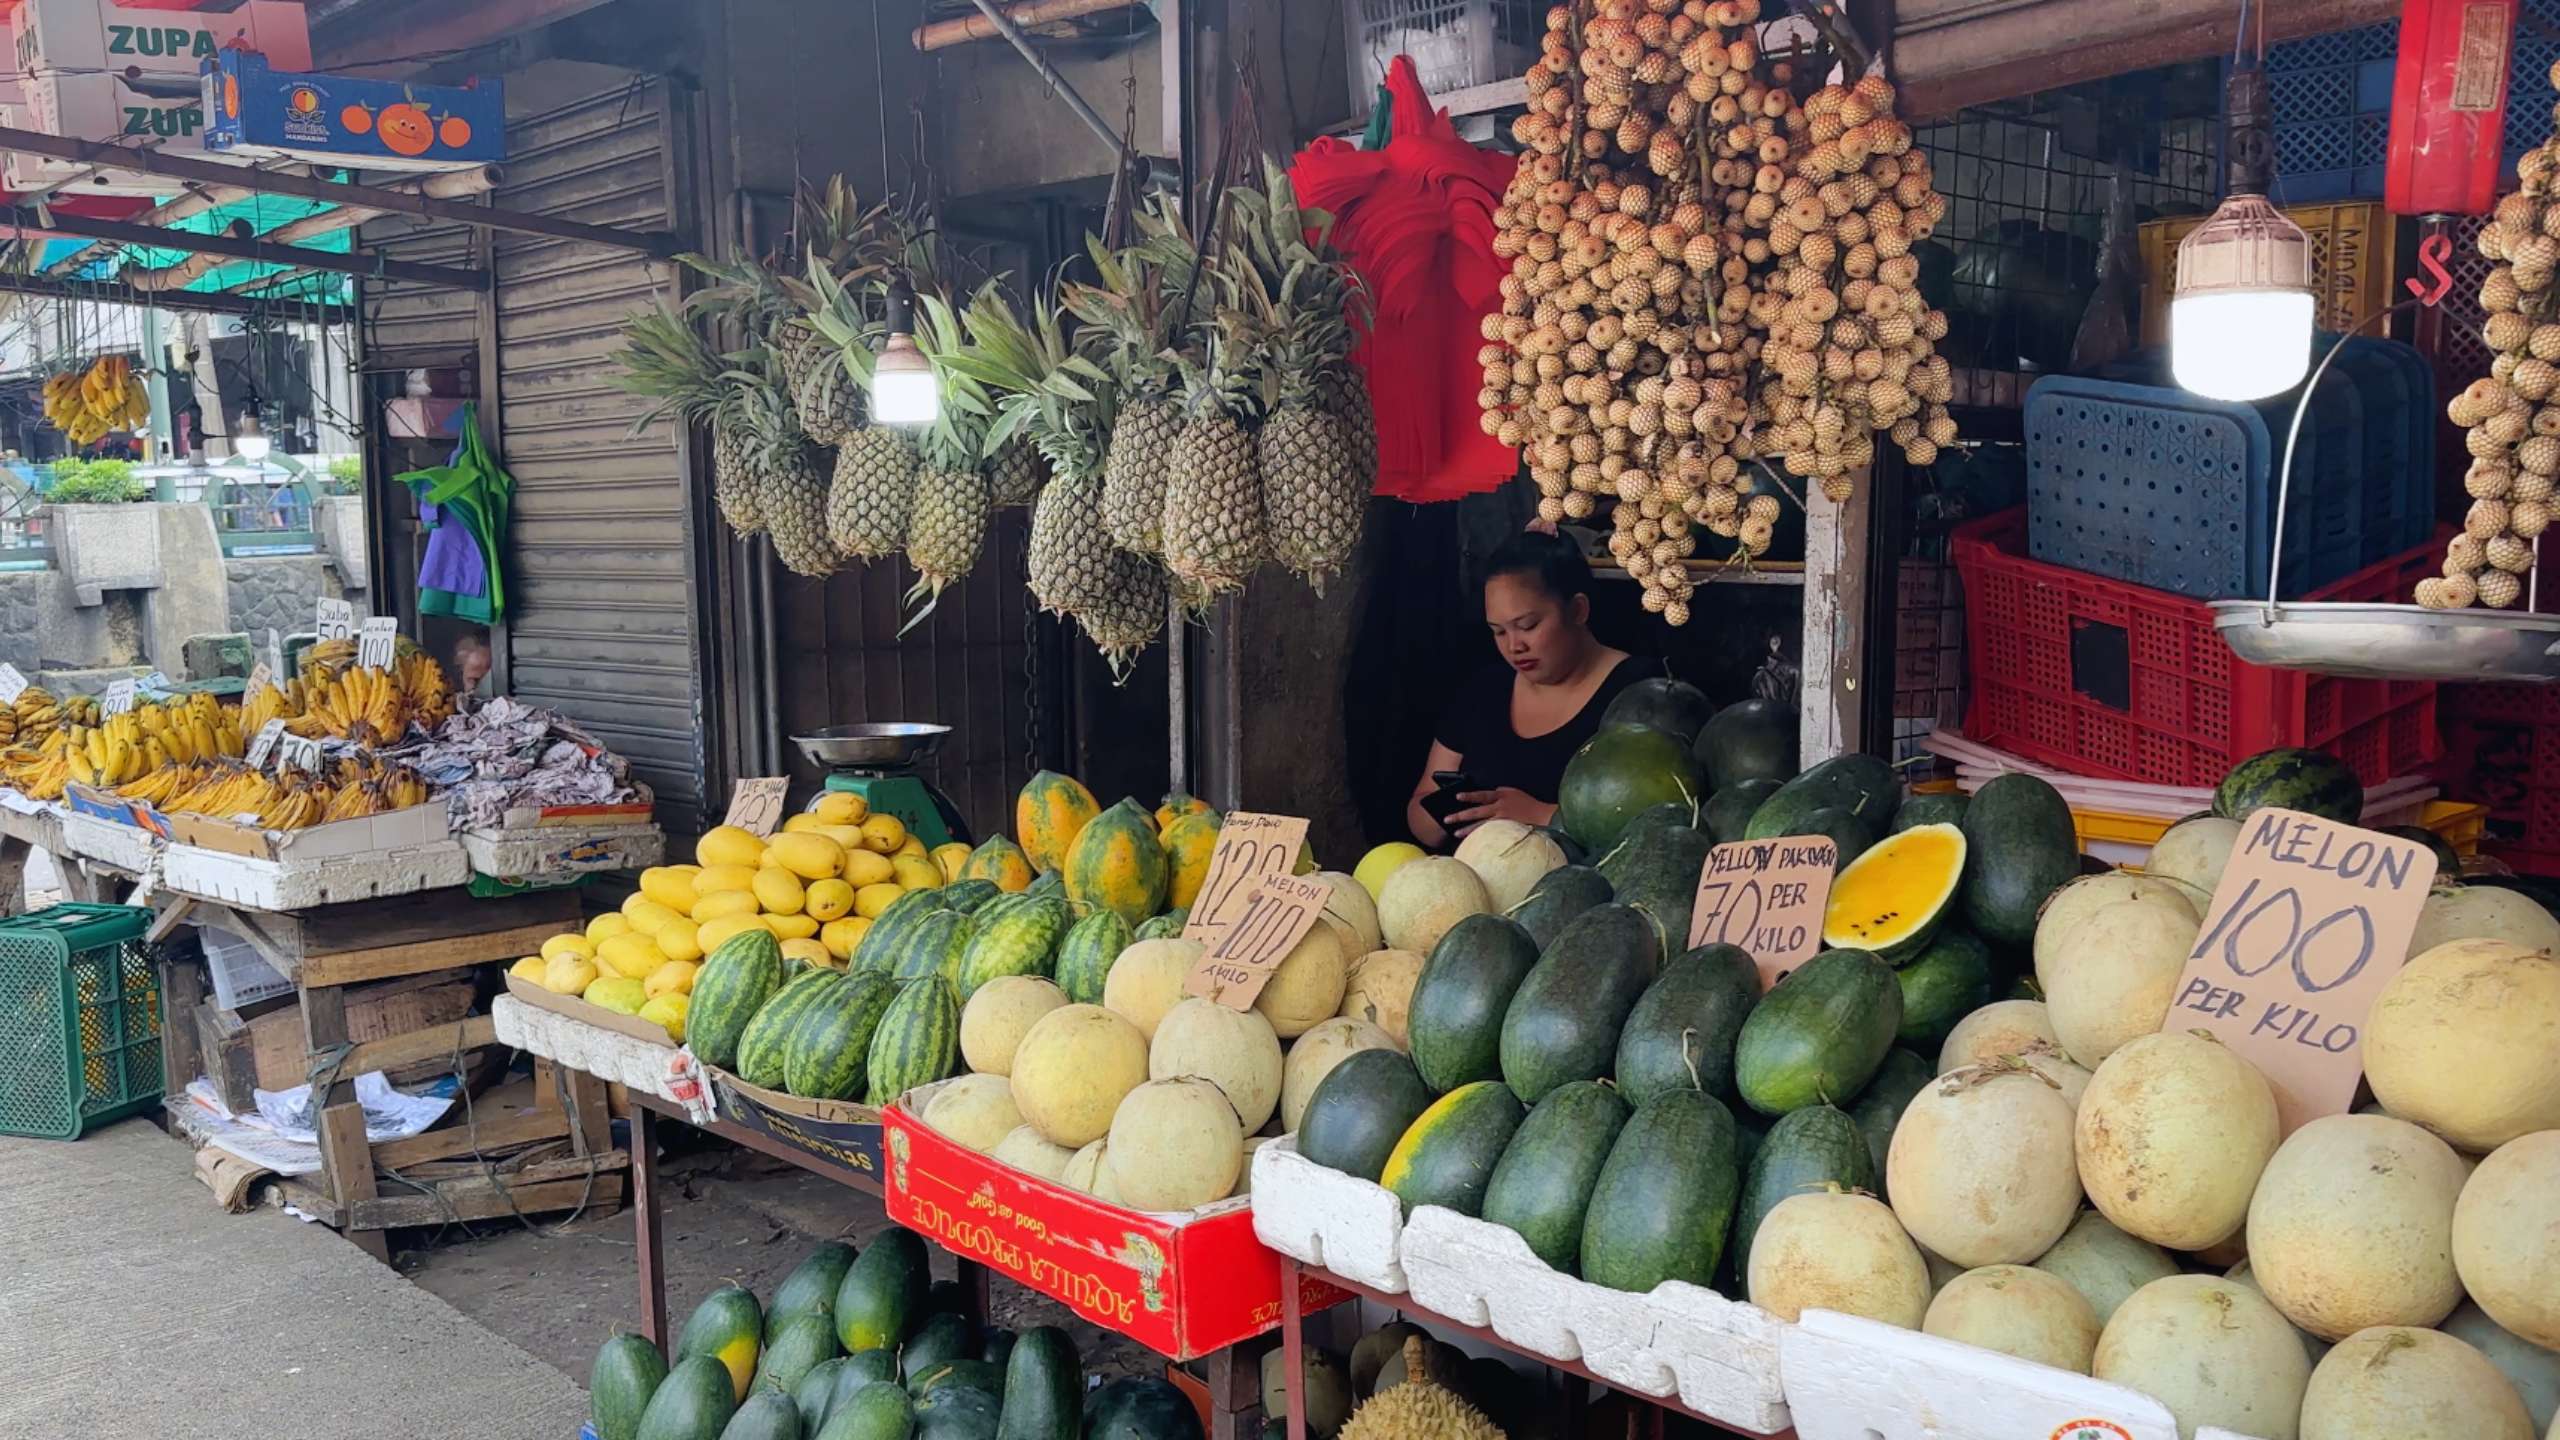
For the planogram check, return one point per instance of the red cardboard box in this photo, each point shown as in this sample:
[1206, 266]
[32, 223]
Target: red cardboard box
[1184, 1284]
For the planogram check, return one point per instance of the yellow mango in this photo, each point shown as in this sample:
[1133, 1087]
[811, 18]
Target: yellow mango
[632, 956]
[813, 951]
[779, 892]
[848, 836]
[647, 916]
[912, 845]
[790, 927]
[530, 969]
[870, 900]
[798, 823]
[668, 1013]
[840, 936]
[728, 845]
[604, 927]
[570, 943]
[866, 867]
[811, 857]
[670, 887]
[715, 931]
[827, 900]
[916, 874]
[841, 807]
[680, 940]
[673, 978]
[948, 859]
[619, 994]
[568, 975]
[714, 879]
[721, 904]
[883, 834]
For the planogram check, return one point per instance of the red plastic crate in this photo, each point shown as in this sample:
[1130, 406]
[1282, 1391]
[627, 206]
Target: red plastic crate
[2504, 744]
[2042, 655]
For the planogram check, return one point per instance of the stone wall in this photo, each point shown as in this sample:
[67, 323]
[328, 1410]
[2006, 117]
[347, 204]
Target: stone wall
[279, 592]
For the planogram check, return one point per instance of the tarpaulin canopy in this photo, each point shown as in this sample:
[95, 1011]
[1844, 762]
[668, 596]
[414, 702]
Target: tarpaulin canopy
[262, 214]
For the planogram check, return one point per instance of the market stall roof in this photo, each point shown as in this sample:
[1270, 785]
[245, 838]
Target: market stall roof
[79, 257]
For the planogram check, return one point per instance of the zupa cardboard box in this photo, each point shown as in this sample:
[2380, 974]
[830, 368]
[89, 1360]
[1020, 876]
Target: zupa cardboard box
[393, 830]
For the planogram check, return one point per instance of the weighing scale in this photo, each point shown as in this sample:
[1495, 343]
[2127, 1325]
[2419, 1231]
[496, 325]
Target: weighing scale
[878, 762]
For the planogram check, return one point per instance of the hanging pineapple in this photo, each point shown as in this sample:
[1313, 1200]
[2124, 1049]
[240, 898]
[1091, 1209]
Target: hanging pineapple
[947, 527]
[872, 488]
[790, 474]
[1129, 317]
[1215, 533]
[852, 247]
[663, 359]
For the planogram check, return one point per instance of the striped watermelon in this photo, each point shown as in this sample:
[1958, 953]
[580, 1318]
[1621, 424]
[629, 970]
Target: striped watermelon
[762, 1048]
[1167, 926]
[732, 985]
[969, 896]
[1018, 939]
[2312, 781]
[1085, 955]
[879, 943]
[829, 1053]
[918, 1039]
[935, 946]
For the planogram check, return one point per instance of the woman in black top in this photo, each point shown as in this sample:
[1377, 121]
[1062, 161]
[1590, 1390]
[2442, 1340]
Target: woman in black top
[1512, 726]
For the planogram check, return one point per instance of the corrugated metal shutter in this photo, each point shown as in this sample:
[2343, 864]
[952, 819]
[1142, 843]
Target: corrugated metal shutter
[601, 613]
[407, 325]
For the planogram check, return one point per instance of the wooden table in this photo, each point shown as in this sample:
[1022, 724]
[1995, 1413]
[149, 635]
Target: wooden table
[21, 836]
[326, 949]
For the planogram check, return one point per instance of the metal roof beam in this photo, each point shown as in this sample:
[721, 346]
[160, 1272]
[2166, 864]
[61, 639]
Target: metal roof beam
[112, 294]
[203, 172]
[31, 223]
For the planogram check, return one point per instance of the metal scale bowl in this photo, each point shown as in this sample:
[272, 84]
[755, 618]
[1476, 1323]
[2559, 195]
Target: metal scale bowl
[878, 762]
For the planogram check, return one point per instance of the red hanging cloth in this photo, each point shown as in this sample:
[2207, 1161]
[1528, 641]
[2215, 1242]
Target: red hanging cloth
[1415, 221]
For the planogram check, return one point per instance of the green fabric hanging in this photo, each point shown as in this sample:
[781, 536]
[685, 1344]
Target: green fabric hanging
[459, 573]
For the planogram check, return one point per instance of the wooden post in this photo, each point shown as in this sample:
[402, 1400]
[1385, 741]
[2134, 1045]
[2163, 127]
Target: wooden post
[644, 1226]
[346, 1157]
[1830, 709]
[1293, 1348]
[181, 1057]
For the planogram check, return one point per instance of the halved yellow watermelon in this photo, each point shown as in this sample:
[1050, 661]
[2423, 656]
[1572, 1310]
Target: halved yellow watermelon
[1889, 900]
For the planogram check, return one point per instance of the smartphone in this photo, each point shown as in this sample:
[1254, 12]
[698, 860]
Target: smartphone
[1442, 803]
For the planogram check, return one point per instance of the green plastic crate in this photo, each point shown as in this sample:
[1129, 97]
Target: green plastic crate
[79, 1020]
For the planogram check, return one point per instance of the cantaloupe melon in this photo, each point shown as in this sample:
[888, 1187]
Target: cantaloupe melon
[2352, 1225]
[2214, 1352]
[2068, 1079]
[1084, 1167]
[1234, 1050]
[2103, 1263]
[1072, 1070]
[1308, 985]
[1146, 981]
[1244, 1176]
[1509, 858]
[2506, 1236]
[994, 1021]
[1942, 1272]
[2313, 1347]
[2483, 912]
[1175, 1145]
[1424, 898]
[2465, 1041]
[2017, 1311]
[975, 1110]
[2397, 1382]
[1980, 1167]
[2085, 896]
[1027, 1150]
[2003, 1027]
[1829, 1250]
[2194, 852]
[1354, 907]
[1380, 991]
[1313, 1055]
[2533, 1370]
[2171, 1136]
[2110, 975]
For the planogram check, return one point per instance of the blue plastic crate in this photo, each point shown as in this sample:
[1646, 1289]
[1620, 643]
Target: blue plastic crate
[2397, 384]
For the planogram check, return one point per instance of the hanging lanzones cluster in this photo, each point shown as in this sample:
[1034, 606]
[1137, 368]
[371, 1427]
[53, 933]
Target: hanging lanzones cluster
[2512, 415]
[1707, 275]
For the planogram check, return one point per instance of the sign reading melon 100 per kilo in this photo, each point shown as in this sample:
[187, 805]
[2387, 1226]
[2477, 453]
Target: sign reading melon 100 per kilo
[1278, 912]
[1767, 897]
[2310, 920]
[1250, 846]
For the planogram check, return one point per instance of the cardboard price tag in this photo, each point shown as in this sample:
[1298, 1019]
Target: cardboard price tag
[1766, 896]
[756, 805]
[12, 684]
[1250, 846]
[300, 752]
[261, 677]
[1277, 913]
[119, 697]
[2311, 919]
[335, 620]
[263, 744]
[377, 639]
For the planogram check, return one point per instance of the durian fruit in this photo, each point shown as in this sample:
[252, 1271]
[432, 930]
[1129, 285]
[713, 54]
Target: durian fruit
[1419, 1409]
[1215, 533]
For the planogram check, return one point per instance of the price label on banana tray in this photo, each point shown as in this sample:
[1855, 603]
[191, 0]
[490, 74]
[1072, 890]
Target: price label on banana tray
[263, 744]
[376, 639]
[1277, 913]
[2310, 920]
[118, 699]
[1766, 896]
[260, 677]
[335, 620]
[301, 752]
[12, 684]
[756, 805]
[1250, 846]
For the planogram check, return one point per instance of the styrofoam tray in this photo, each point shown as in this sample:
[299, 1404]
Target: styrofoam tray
[123, 847]
[1853, 1379]
[1718, 1356]
[540, 853]
[565, 1040]
[297, 885]
[1341, 1223]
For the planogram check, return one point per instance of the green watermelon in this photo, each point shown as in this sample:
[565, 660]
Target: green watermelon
[1360, 1110]
[1167, 926]
[766, 1415]
[935, 945]
[2020, 847]
[883, 1294]
[830, 1049]
[1446, 1157]
[811, 1285]
[1673, 707]
[727, 1327]
[942, 1339]
[1043, 1388]
[917, 1041]
[2448, 859]
[1936, 808]
[1656, 871]
[627, 1371]
[695, 1400]
[1542, 1184]
[1019, 941]
[2312, 781]
[874, 1412]
[1617, 775]
[1806, 1150]
[1681, 1033]
[1559, 895]
[1086, 952]
[1136, 1407]
[765, 1047]
[969, 897]
[1453, 1021]
[1880, 1105]
[1562, 1024]
[883, 942]
[959, 1410]
[1729, 810]
[1819, 1035]
[1664, 1199]
[735, 980]
[1860, 784]
[800, 1343]
[1947, 981]
[1755, 740]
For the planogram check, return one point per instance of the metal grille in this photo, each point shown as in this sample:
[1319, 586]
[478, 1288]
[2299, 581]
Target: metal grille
[1455, 44]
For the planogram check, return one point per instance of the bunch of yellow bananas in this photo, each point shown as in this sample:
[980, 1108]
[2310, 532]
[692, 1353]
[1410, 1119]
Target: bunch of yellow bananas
[35, 715]
[87, 405]
[153, 737]
[350, 789]
[358, 703]
[39, 771]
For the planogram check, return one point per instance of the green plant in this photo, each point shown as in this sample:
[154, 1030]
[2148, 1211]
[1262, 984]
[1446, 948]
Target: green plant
[95, 482]
[346, 474]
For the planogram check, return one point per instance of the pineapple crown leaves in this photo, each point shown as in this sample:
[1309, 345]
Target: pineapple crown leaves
[664, 359]
[1060, 401]
[967, 430]
[844, 320]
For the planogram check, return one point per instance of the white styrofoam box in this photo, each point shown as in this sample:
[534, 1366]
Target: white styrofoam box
[564, 1040]
[297, 885]
[241, 976]
[1853, 1379]
[537, 854]
[1719, 1357]
[124, 847]
[1337, 1222]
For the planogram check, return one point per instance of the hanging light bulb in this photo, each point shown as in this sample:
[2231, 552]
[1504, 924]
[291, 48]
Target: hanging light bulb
[904, 389]
[250, 439]
[2240, 318]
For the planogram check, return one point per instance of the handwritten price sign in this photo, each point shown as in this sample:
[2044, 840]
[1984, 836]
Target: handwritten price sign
[263, 744]
[12, 684]
[1250, 847]
[1277, 914]
[377, 640]
[1767, 897]
[756, 805]
[2311, 919]
[119, 697]
[334, 619]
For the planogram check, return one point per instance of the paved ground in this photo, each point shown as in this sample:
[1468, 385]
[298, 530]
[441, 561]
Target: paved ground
[136, 1310]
